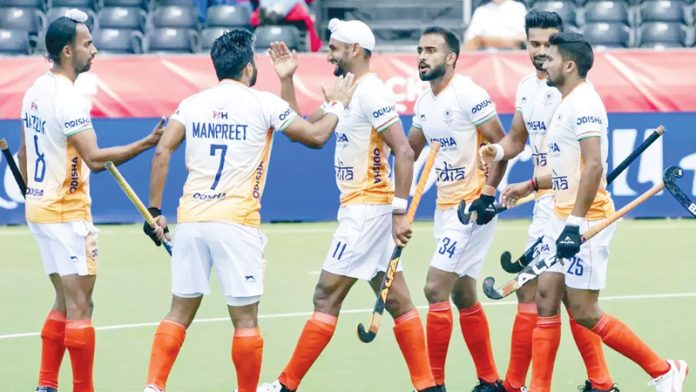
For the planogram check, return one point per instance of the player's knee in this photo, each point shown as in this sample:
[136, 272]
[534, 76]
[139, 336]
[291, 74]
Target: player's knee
[79, 310]
[587, 316]
[464, 300]
[398, 304]
[434, 293]
[547, 304]
[325, 300]
[526, 296]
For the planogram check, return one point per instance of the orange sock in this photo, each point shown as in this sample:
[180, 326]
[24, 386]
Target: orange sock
[169, 337]
[52, 349]
[411, 338]
[521, 347]
[618, 336]
[79, 340]
[439, 331]
[477, 337]
[315, 336]
[247, 350]
[590, 347]
[547, 337]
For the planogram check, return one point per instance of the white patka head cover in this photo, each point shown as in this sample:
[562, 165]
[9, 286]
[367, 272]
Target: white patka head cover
[352, 32]
[76, 15]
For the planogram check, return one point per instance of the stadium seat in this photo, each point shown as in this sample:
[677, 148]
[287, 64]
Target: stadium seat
[90, 4]
[185, 3]
[14, 42]
[175, 16]
[611, 35]
[55, 13]
[168, 40]
[228, 16]
[122, 18]
[28, 19]
[118, 41]
[267, 34]
[38, 4]
[662, 11]
[209, 35]
[565, 9]
[607, 11]
[144, 4]
[662, 34]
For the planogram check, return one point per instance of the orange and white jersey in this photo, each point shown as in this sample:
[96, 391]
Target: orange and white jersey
[361, 159]
[536, 101]
[451, 118]
[57, 178]
[580, 115]
[229, 132]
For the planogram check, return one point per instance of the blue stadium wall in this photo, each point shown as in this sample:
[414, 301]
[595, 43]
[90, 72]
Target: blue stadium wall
[300, 184]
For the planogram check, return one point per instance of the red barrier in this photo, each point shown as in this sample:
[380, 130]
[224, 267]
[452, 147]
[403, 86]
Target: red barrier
[149, 86]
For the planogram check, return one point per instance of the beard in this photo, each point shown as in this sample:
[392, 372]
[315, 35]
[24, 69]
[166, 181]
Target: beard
[557, 82]
[83, 67]
[538, 62]
[339, 70]
[434, 73]
[252, 79]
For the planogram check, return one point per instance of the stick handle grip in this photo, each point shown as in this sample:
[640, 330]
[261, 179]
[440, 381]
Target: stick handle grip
[632, 157]
[434, 148]
[622, 212]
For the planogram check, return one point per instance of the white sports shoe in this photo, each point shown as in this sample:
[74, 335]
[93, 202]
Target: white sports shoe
[673, 380]
[270, 387]
[152, 388]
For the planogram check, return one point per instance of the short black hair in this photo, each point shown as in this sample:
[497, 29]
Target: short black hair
[537, 19]
[231, 52]
[61, 32]
[450, 38]
[368, 53]
[574, 47]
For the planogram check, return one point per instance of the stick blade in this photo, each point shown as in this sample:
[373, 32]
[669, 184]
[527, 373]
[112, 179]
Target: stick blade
[508, 265]
[489, 289]
[364, 335]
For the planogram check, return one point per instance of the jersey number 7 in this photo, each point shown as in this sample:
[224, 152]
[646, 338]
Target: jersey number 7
[213, 149]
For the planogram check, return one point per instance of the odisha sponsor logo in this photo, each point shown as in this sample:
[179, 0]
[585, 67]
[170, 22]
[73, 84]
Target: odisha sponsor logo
[204, 196]
[35, 192]
[536, 126]
[445, 142]
[74, 174]
[76, 122]
[481, 106]
[588, 119]
[257, 184]
[377, 165]
[383, 111]
[285, 114]
[35, 123]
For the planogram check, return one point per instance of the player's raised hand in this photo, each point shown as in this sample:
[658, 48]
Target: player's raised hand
[342, 91]
[514, 192]
[157, 132]
[401, 229]
[284, 60]
[486, 156]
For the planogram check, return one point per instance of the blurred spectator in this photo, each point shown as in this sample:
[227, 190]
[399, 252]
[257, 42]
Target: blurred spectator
[497, 24]
[283, 11]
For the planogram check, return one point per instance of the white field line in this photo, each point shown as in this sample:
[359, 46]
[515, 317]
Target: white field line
[351, 311]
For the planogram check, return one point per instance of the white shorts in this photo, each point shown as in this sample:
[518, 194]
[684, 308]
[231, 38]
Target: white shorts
[236, 252]
[460, 248]
[68, 248]
[543, 212]
[588, 269]
[362, 244]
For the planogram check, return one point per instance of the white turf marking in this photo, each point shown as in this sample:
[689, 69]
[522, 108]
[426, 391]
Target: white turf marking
[351, 311]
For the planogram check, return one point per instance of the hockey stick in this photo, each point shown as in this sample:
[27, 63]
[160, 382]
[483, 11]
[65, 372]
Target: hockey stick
[670, 178]
[366, 336]
[130, 193]
[516, 266]
[13, 166]
[464, 218]
[537, 267]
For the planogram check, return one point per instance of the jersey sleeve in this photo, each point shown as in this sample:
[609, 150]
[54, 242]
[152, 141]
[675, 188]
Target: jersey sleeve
[180, 112]
[476, 103]
[589, 117]
[416, 115]
[278, 112]
[520, 97]
[73, 114]
[379, 106]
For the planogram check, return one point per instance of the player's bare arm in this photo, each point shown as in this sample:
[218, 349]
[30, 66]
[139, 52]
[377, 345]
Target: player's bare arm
[492, 130]
[403, 175]
[591, 176]
[416, 139]
[315, 135]
[516, 191]
[22, 155]
[85, 143]
[512, 144]
[285, 65]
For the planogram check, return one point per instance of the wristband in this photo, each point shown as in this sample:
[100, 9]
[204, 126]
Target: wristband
[535, 185]
[499, 152]
[333, 107]
[574, 220]
[399, 205]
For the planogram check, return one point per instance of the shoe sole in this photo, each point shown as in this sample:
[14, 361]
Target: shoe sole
[683, 373]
